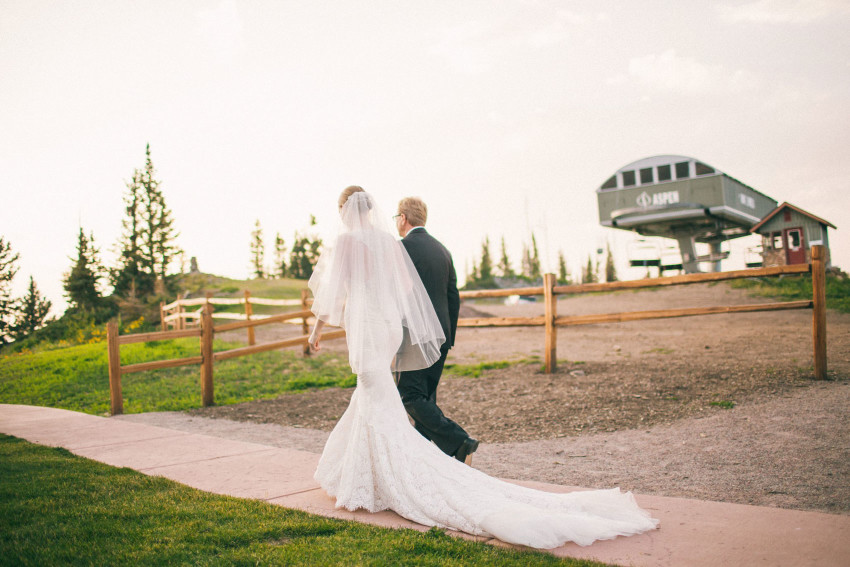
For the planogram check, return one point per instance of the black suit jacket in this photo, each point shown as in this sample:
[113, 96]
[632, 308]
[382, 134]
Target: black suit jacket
[437, 271]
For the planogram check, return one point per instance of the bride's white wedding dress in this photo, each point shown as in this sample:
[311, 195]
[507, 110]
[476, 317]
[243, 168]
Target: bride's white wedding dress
[375, 459]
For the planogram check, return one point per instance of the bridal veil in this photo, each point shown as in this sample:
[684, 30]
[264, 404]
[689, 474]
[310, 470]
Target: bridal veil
[366, 279]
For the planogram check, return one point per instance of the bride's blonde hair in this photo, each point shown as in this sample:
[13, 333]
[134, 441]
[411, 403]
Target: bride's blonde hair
[348, 192]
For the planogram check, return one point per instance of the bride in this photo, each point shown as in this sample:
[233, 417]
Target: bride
[374, 459]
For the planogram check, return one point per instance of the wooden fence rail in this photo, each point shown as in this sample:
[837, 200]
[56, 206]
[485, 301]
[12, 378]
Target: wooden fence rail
[205, 333]
[549, 320]
[174, 315]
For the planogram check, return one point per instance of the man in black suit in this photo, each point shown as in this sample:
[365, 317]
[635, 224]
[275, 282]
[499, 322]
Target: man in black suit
[418, 388]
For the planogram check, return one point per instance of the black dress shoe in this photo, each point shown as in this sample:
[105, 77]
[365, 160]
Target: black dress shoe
[464, 452]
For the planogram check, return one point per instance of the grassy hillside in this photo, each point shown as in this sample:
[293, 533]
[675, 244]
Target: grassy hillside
[197, 285]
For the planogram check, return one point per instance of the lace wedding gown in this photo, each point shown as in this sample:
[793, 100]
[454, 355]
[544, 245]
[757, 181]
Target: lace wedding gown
[374, 458]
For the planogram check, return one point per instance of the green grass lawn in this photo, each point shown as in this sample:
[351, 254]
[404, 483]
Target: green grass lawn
[77, 378]
[60, 509]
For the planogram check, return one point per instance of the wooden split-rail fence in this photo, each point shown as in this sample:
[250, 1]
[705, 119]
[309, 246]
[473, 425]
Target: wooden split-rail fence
[176, 316]
[549, 320]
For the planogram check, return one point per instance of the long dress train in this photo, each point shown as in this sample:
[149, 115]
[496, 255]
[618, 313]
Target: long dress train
[374, 459]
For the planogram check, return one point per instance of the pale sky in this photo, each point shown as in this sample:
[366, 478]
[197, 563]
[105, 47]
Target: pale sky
[503, 116]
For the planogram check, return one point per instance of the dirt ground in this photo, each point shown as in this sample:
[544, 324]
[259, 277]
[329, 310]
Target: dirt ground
[719, 407]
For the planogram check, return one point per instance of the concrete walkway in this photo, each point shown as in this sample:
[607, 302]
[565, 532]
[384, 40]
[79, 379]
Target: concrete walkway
[693, 532]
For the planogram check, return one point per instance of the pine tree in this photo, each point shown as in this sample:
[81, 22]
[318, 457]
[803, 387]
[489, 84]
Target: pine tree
[314, 250]
[147, 246]
[485, 268]
[32, 311]
[563, 275]
[159, 232]
[258, 251]
[304, 254]
[610, 270]
[504, 263]
[534, 261]
[128, 274]
[588, 273]
[299, 259]
[296, 257]
[279, 270]
[81, 282]
[7, 303]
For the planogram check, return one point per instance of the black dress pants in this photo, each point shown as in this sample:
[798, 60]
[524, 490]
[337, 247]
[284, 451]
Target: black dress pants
[418, 389]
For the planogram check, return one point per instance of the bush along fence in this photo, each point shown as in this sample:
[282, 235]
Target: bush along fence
[179, 319]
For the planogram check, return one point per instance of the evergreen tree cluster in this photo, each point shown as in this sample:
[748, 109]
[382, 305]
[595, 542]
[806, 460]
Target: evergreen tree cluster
[141, 277]
[485, 276]
[298, 264]
[590, 273]
[146, 251]
[19, 317]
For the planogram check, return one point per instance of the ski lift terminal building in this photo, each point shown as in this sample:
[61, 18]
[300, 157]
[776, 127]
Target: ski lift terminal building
[682, 198]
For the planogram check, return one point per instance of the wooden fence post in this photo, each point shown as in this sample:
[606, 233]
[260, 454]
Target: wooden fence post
[162, 315]
[249, 310]
[304, 327]
[180, 320]
[819, 310]
[551, 311]
[116, 402]
[207, 397]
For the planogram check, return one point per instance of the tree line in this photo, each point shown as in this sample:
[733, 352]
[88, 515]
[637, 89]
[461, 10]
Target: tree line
[145, 272]
[296, 262]
[485, 274]
[146, 249]
[19, 316]
[141, 276]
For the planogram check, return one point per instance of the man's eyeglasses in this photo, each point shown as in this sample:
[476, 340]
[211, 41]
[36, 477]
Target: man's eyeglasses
[398, 215]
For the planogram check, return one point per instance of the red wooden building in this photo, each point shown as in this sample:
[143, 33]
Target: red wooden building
[788, 234]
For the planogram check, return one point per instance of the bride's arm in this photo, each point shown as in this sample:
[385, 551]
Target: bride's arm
[316, 335]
